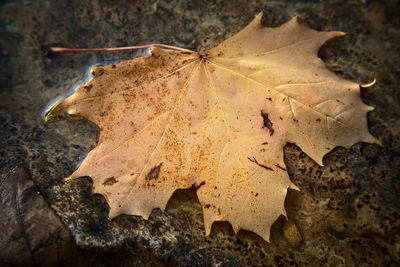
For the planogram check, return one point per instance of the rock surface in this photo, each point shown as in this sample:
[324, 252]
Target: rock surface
[347, 211]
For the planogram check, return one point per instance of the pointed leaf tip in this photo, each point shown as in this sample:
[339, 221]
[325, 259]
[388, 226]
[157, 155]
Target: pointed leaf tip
[47, 117]
[53, 111]
[378, 142]
[69, 178]
[338, 34]
[208, 231]
[368, 84]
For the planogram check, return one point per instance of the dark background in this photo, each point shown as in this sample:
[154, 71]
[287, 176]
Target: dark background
[347, 211]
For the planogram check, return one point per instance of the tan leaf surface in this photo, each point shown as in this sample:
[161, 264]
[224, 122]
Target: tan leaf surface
[217, 121]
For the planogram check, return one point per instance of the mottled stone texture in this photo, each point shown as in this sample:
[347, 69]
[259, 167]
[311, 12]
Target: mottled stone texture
[347, 211]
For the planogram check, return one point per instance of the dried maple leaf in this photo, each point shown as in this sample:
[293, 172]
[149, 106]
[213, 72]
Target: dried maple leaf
[217, 121]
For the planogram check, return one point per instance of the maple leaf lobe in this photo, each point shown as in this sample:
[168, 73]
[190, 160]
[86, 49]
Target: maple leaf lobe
[178, 119]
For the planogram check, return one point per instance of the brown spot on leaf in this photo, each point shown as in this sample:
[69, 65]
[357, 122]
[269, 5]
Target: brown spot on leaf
[267, 123]
[88, 87]
[110, 181]
[154, 172]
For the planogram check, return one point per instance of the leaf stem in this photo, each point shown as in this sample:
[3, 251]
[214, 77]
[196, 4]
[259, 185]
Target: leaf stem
[65, 49]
